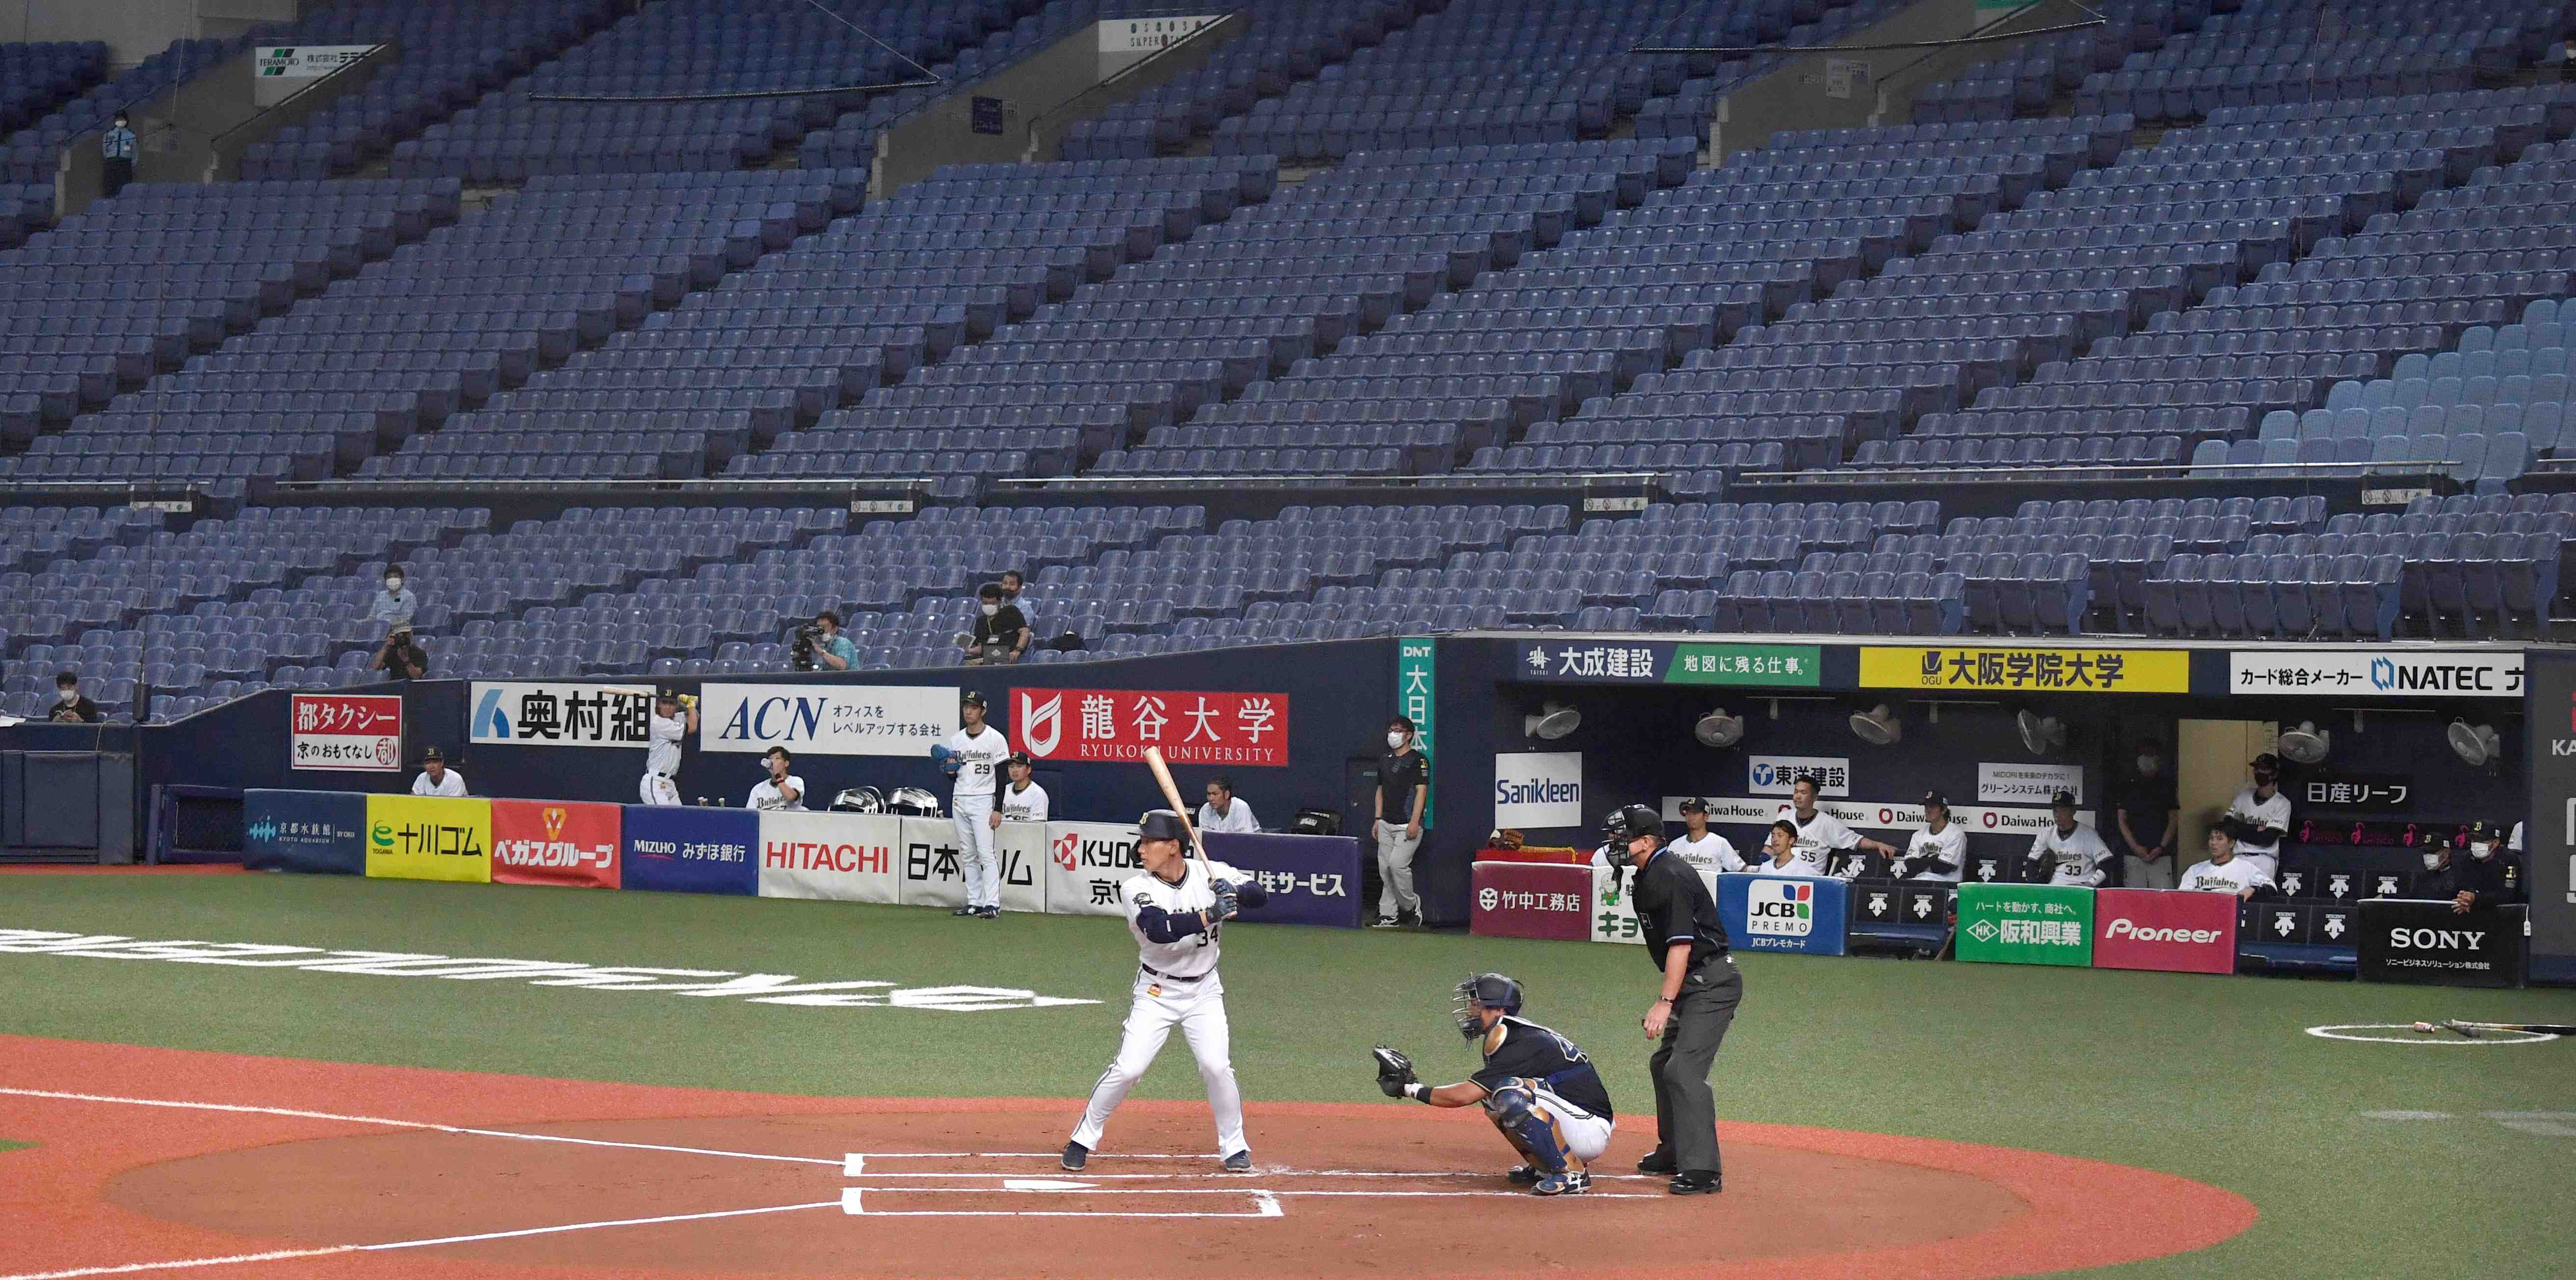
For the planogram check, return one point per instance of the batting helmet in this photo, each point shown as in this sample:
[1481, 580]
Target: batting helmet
[1161, 824]
[859, 800]
[1631, 821]
[1484, 991]
[913, 802]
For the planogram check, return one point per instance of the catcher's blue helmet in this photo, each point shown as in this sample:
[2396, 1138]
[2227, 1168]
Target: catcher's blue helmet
[1484, 991]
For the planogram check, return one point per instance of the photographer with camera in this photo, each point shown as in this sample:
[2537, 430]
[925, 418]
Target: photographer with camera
[1001, 631]
[820, 646]
[400, 657]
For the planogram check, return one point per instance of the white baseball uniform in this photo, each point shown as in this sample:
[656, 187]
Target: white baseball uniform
[1941, 855]
[2078, 855]
[1176, 983]
[451, 785]
[2274, 813]
[768, 795]
[1237, 817]
[979, 763]
[1024, 804]
[1711, 853]
[662, 760]
[1818, 840]
[2237, 876]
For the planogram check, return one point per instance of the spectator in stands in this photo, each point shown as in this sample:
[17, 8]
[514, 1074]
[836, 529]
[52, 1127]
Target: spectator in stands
[1938, 852]
[1821, 835]
[2224, 871]
[71, 706]
[2149, 814]
[394, 606]
[1012, 585]
[781, 789]
[2262, 816]
[832, 650]
[1001, 631]
[1403, 784]
[2469, 882]
[401, 657]
[116, 156]
[1223, 812]
[2072, 852]
[436, 779]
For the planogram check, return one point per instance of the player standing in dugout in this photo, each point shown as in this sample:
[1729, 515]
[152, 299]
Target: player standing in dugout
[1696, 1002]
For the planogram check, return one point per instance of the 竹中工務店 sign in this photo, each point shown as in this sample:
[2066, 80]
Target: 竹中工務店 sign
[559, 715]
[1670, 662]
[352, 731]
[2422, 674]
[1118, 724]
[2027, 670]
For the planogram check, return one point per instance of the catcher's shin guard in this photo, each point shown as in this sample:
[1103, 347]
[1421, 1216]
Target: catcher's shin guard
[1515, 1111]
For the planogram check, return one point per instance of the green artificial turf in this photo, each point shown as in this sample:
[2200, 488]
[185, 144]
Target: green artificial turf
[2208, 1078]
[7, 1145]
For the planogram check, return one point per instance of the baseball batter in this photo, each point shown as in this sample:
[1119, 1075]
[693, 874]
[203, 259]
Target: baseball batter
[1536, 1087]
[662, 748]
[973, 755]
[1175, 909]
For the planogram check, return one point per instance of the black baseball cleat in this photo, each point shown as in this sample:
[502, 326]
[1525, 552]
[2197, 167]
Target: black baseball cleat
[989, 913]
[1657, 1162]
[1697, 1182]
[1239, 1162]
[1522, 1175]
[1075, 1156]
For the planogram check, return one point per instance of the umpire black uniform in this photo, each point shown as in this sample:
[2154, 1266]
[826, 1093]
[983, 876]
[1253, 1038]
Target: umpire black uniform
[1675, 910]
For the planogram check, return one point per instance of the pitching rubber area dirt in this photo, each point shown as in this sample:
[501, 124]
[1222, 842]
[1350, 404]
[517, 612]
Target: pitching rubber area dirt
[317, 1169]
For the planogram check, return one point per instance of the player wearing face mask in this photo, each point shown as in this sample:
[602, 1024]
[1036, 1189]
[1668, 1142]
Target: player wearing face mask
[2147, 817]
[1403, 784]
[2470, 878]
[2262, 817]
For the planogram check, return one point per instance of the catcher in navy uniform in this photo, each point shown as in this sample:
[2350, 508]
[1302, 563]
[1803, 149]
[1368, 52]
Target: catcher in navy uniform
[1536, 1087]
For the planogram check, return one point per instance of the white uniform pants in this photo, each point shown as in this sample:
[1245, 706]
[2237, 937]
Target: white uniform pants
[979, 857]
[1395, 870]
[1199, 1008]
[1586, 1135]
[658, 790]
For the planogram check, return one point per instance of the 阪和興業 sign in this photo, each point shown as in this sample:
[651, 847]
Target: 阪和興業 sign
[827, 719]
[2389, 673]
[558, 715]
[2027, 670]
[1191, 727]
[359, 732]
[429, 838]
[2025, 923]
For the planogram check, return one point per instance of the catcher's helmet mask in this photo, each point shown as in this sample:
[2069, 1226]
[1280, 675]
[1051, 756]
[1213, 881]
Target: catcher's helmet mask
[1483, 991]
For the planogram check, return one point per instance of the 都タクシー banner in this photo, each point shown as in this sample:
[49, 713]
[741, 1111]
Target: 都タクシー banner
[834, 857]
[2166, 929]
[1530, 900]
[1087, 860]
[2377, 671]
[1538, 789]
[1785, 913]
[558, 715]
[2028, 783]
[2026, 924]
[429, 838]
[2412, 940]
[1309, 879]
[827, 719]
[680, 849]
[321, 832]
[555, 842]
[358, 732]
[2027, 670]
[1191, 727]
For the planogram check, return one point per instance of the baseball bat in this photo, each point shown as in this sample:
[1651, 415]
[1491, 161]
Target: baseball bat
[2471, 1029]
[1172, 793]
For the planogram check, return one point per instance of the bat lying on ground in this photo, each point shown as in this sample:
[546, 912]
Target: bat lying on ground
[1172, 793]
[2471, 1030]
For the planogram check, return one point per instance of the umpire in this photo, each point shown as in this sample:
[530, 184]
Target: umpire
[1687, 945]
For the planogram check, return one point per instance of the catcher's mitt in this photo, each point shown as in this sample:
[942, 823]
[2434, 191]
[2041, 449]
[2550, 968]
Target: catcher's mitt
[1394, 1071]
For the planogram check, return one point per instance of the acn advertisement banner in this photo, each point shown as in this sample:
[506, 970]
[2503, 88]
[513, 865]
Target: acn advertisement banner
[429, 838]
[555, 842]
[827, 719]
[1191, 727]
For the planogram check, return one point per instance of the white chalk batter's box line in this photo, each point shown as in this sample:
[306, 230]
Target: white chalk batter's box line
[1259, 1201]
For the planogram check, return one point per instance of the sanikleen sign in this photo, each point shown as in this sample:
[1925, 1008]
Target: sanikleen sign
[1538, 789]
[2463, 673]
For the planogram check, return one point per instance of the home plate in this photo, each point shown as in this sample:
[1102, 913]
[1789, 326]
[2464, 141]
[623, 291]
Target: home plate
[1045, 1184]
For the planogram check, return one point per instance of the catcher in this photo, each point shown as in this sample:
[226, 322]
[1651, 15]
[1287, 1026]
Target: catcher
[1536, 1087]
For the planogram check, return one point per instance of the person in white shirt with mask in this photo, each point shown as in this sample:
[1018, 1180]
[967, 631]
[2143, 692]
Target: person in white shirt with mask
[2076, 855]
[664, 733]
[2225, 871]
[1223, 812]
[1936, 853]
[2262, 816]
[1022, 799]
[436, 779]
[781, 789]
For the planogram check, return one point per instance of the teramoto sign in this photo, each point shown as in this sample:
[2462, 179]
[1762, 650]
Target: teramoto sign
[1794, 666]
[351, 731]
[1191, 727]
[2464, 673]
[559, 715]
[2021, 670]
[827, 719]
[306, 61]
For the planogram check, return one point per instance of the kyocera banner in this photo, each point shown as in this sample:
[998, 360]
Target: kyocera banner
[678, 849]
[1785, 913]
[310, 831]
[827, 719]
[1086, 862]
[1310, 879]
[1118, 724]
[837, 857]
[1530, 900]
[555, 842]
[429, 838]
[2167, 929]
[1538, 789]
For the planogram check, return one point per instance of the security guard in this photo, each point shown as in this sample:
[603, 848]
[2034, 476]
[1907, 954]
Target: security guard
[1695, 1004]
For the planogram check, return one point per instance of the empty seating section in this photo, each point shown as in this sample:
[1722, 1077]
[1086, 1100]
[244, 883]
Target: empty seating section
[447, 54]
[30, 152]
[960, 269]
[689, 51]
[25, 209]
[851, 141]
[2270, 51]
[1282, 43]
[36, 77]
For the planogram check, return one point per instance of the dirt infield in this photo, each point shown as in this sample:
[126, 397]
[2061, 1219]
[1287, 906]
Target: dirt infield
[313, 1169]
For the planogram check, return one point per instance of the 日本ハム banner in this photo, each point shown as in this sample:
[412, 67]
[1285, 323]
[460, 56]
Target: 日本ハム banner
[1246, 729]
[555, 842]
[311, 831]
[429, 838]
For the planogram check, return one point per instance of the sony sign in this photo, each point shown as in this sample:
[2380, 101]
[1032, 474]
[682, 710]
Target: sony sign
[1538, 789]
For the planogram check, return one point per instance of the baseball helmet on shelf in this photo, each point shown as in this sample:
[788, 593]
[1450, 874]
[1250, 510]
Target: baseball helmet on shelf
[859, 800]
[913, 802]
[1484, 991]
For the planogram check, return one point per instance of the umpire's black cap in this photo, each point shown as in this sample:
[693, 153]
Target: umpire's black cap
[1161, 824]
[1631, 821]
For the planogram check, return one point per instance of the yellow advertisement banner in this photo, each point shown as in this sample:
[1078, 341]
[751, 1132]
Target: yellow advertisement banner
[2027, 670]
[429, 838]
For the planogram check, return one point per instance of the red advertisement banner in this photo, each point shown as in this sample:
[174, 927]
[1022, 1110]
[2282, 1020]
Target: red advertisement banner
[2166, 929]
[1242, 729]
[1529, 900]
[556, 842]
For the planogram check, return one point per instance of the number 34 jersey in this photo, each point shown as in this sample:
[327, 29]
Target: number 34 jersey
[1191, 956]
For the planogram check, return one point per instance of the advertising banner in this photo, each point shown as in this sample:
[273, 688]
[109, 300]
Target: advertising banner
[834, 857]
[1417, 664]
[679, 849]
[927, 870]
[1538, 789]
[1778, 775]
[2333, 788]
[1889, 815]
[1310, 879]
[356, 732]
[555, 842]
[1614, 918]
[559, 715]
[2284, 924]
[1530, 900]
[1785, 913]
[2426, 942]
[2165, 929]
[826, 719]
[323, 832]
[1088, 859]
[1768, 665]
[2378, 671]
[2549, 839]
[305, 61]
[2031, 784]
[1027, 861]
[2026, 924]
[1794, 666]
[1145, 35]
[1249, 729]
[2027, 670]
[429, 838]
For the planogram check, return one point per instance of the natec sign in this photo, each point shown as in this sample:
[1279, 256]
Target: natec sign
[2164, 929]
[2418, 674]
